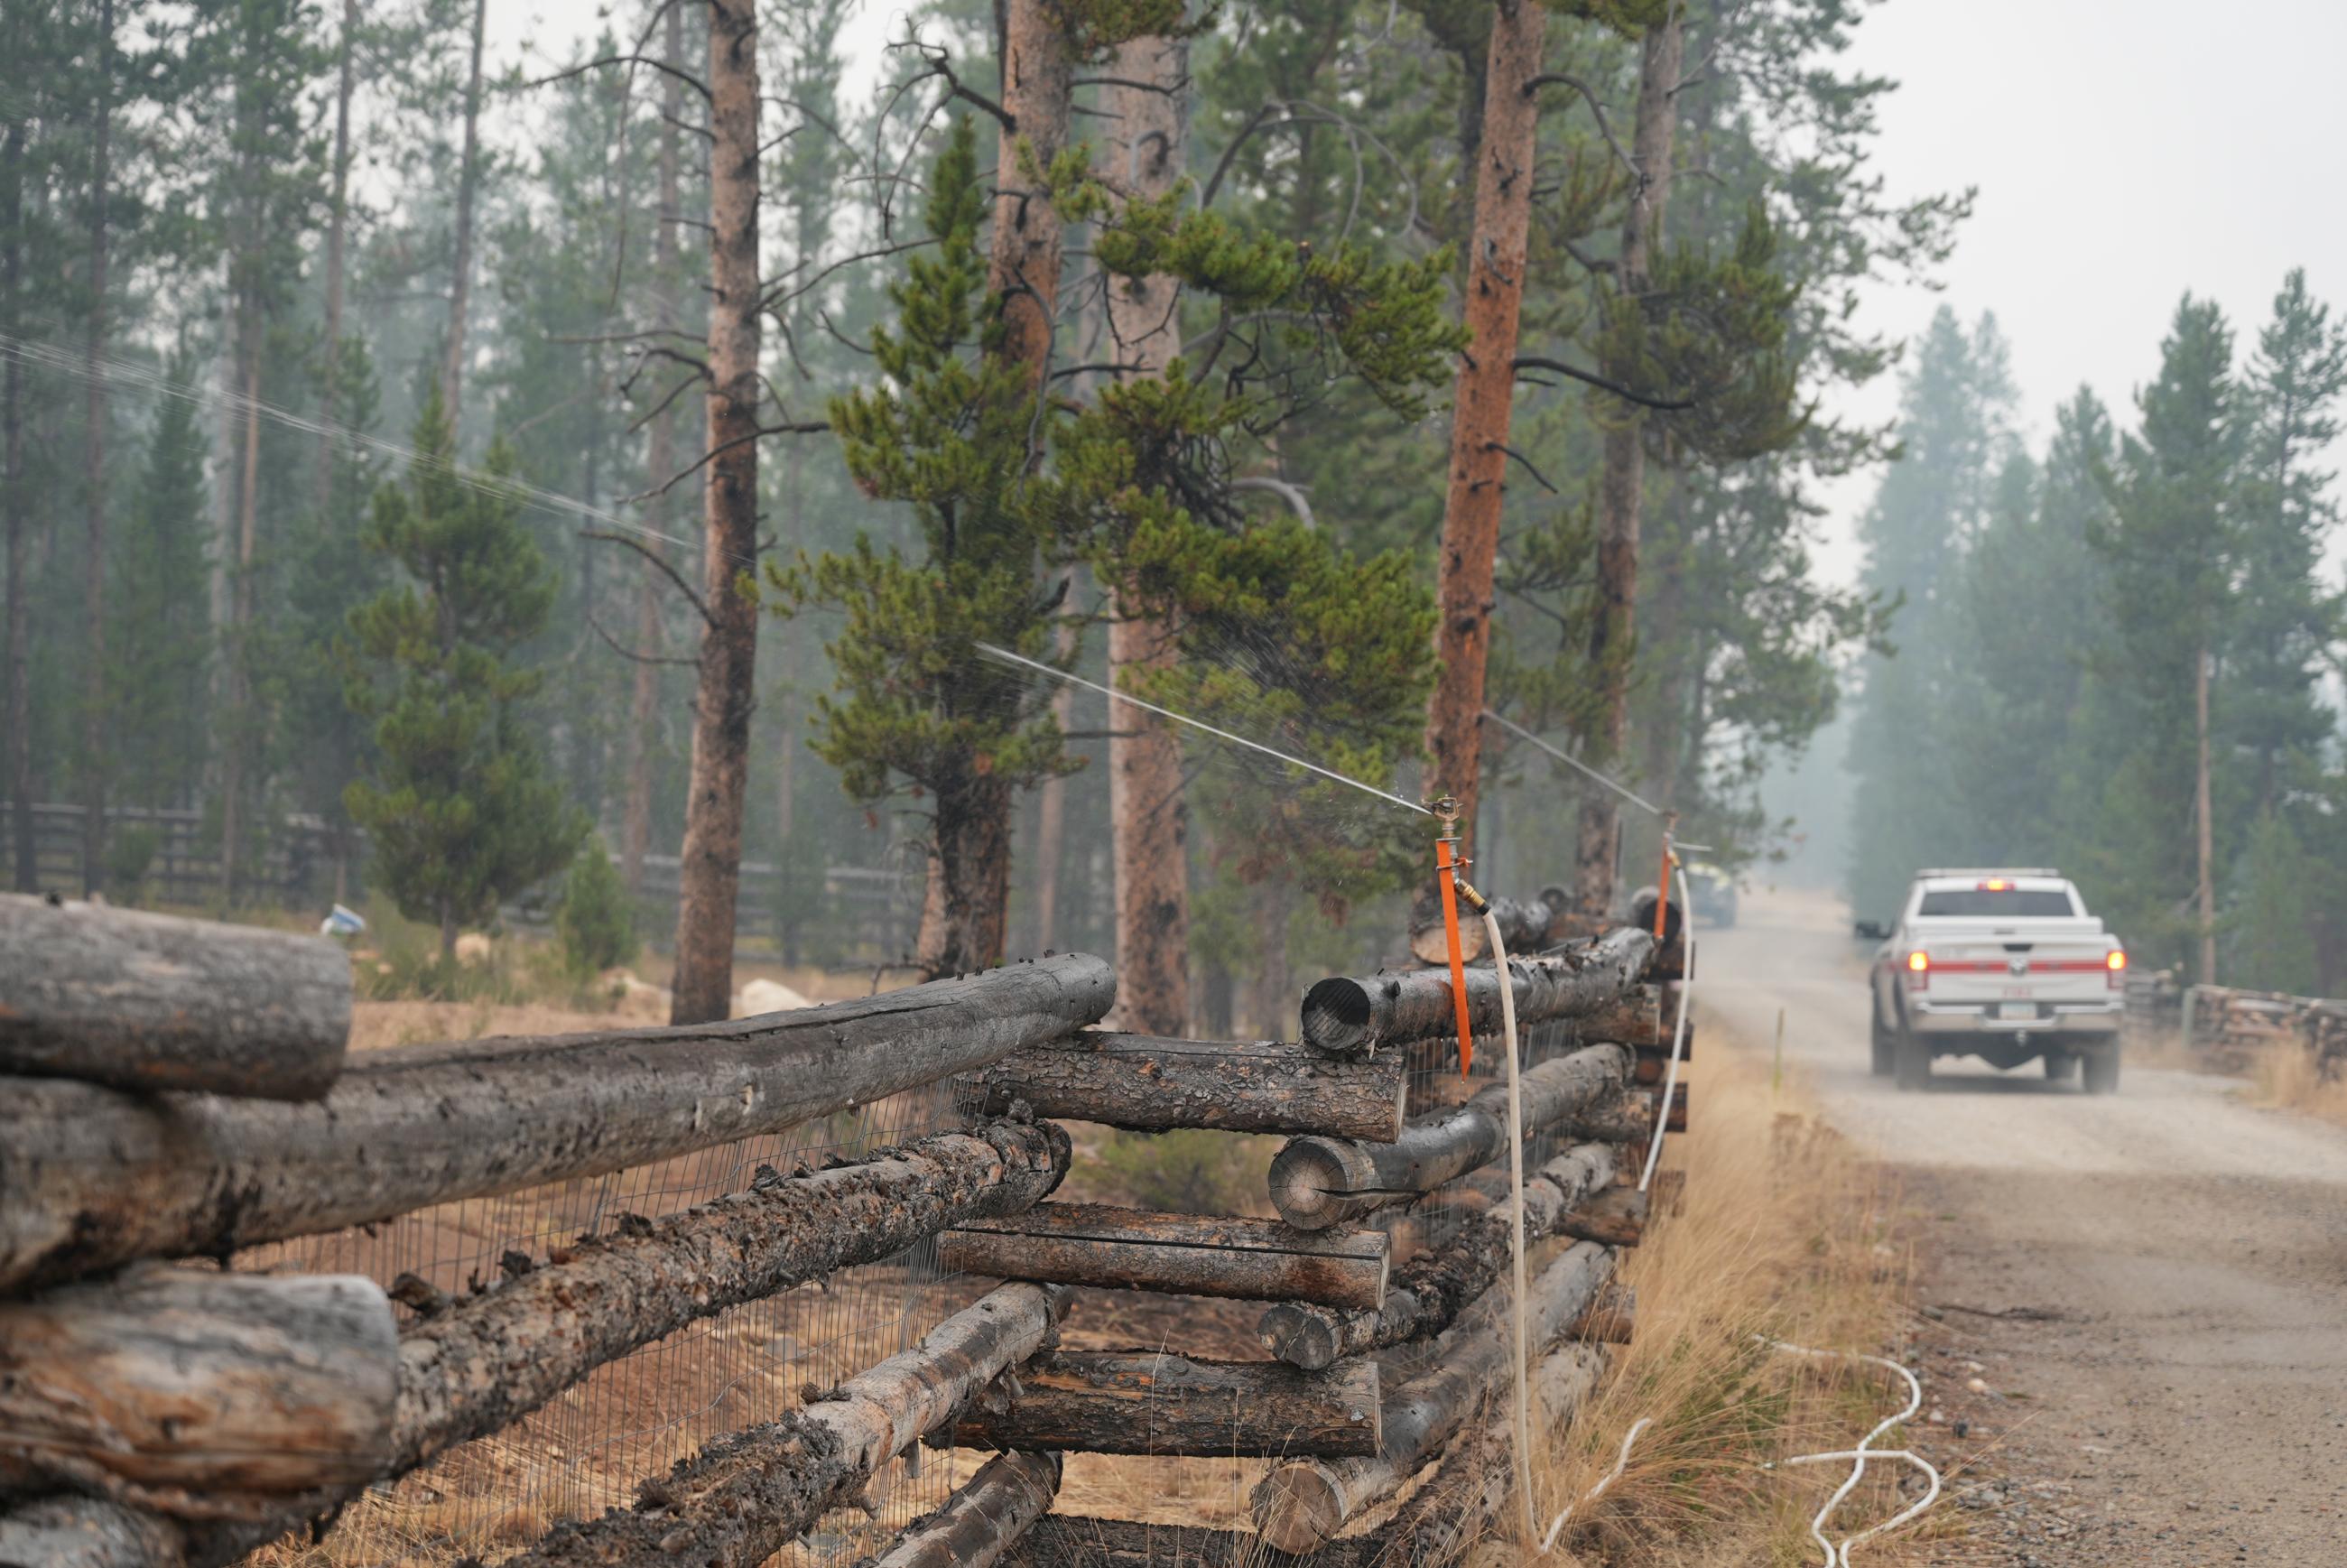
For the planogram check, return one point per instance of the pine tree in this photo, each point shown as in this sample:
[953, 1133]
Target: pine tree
[2272, 945]
[2169, 547]
[462, 815]
[2282, 619]
[158, 675]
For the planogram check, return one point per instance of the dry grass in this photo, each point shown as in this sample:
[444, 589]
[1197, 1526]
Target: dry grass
[2286, 1078]
[1785, 1233]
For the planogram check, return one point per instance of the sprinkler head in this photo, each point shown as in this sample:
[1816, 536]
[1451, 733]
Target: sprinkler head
[1446, 811]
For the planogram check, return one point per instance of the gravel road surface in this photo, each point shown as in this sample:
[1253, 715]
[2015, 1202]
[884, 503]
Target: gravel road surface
[2153, 1285]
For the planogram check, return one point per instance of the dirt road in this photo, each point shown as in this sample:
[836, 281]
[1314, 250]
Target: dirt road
[2183, 1398]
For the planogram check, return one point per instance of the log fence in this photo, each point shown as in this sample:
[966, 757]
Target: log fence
[2227, 1027]
[420, 1302]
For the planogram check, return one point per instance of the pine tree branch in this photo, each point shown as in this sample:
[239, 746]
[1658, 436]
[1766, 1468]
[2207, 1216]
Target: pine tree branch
[1591, 378]
[658, 561]
[1539, 477]
[1605, 127]
[1292, 494]
[687, 77]
[630, 654]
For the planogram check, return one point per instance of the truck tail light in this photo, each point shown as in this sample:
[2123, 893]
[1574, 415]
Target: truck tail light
[2115, 963]
[1919, 970]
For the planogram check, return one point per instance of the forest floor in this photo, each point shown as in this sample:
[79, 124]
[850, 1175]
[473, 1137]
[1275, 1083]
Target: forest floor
[2132, 1320]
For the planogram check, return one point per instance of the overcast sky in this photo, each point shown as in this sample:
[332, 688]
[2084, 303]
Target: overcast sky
[2125, 151]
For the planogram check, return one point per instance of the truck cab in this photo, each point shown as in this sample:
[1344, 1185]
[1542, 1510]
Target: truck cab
[2004, 965]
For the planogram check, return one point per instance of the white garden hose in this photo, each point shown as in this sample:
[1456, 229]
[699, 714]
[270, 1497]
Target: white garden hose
[1520, 1412]
[1838, 1556]
[1678, 1032]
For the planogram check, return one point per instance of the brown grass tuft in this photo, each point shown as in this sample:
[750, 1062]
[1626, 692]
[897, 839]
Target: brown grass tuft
[2286, 1077]
[1785, 1233]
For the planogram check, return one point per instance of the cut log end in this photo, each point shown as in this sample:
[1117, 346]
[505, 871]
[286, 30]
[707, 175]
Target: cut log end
[1314, 1181]
[1299, 1506]
[1338, 1017]
[1302, 1335]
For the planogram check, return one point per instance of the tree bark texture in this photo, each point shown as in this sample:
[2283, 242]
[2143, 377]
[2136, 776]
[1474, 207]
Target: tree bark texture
[1187, 1255]
[338, 215]
[749, 1494]
[1318, 1182]
[486, 1362]
[15, 701]
[1464, 1501]
[1428, 1292]
[1350, 1017]
[1149, 823]
[86, 1532]
[710, 876]
[1634, 1019]
[1304, 1503]
[1523, 927]
[1154, 1402]
[965, 915]
[154, 1002]
[1080, 1541]
[643, 697]
[97, 1178]
[1149, 1084]
[1622, 483]
[94, 703]
[1613, 1218]
[1024, 269]
[198, 1395]
[981, 1521]
[460, 266]
[1482, 405]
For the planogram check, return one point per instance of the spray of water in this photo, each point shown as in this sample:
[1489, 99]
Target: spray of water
[1007, 657]
[1575, 764]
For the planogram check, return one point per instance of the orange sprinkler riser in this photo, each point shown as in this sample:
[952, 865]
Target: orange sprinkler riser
[1446, 873]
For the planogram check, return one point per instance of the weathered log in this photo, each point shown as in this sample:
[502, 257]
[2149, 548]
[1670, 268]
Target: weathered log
[1348, 1017]
[1629, 1120]
[1305, 1502]
[195, 1394]
[1076, 1540]
[1641, 913]
[1613, 1218]
[1185, 1255]
[1149, 1084]
[1612, 1318]
[1320, 1181]
[1523, 927]
[1428, 1292]
[747, 1495]
[151, 1002]
[95, 1178]
[492, 1359]
[981, 1521]
[87, 1533]
[1466, 1498]
[1635, 1018]
[1151, 1402]
[1682, 1093]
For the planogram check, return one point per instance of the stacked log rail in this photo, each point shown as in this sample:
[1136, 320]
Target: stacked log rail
[311, 1391]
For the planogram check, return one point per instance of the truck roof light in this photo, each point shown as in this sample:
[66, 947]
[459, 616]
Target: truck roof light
[1996, 884]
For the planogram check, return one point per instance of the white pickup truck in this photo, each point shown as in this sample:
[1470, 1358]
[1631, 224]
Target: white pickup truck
[2004, 965]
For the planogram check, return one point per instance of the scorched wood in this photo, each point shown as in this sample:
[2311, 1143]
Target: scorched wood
[95, 1177]
[1320, 1181]
[1149, 1084]
[747, 1495]
[981, 1521]
[1153, 1402]
[1428, 1292]
[1304, 1503]
[1348, 1017]
[1186, 1255]
[151, 1002]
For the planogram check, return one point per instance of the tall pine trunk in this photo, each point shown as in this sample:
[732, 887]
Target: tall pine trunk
[15, 701]
[1149, 823]
[643, 701]
[963, 915]
[1622, 485]
[1482, 406]
[93, 719]
[709, 879]
[469, 188]
[337, 234]
[2204, 827]
[247, 475]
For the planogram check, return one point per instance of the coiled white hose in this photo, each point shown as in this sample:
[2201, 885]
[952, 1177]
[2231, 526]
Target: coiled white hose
[1519, 1403]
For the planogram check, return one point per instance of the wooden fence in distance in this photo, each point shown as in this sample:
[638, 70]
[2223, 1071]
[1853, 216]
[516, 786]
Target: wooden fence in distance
[178, 1415]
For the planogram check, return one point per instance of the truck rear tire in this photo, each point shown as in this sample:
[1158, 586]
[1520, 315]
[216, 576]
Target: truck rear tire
[1885, 1044]
[2061, 1067]
[2102, 1072]
[1914, 1056]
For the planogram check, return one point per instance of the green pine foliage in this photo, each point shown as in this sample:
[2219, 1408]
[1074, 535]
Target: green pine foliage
[160, 684]
[595, 923]
[461, 812]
